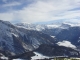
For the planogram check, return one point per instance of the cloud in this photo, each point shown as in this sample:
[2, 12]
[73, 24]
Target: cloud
[66, 44]
[45, 10]
[6, 16]
[11, 4]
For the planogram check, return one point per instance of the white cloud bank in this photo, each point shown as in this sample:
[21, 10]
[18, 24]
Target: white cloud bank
[66, 44]
[45, 10]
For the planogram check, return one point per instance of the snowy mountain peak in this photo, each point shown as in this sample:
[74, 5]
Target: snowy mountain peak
[71, 24]
[41, 27]
[23, 24]
[30, 26]
[65, 26]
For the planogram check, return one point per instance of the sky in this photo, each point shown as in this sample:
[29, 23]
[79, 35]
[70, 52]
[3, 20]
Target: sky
[32, 11]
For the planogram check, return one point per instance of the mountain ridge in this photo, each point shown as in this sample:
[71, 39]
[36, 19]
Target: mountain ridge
[16, 40]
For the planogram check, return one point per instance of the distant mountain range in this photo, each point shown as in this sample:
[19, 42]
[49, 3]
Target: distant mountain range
[47, 39]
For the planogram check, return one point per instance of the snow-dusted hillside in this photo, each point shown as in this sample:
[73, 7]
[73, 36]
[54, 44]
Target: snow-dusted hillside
[21, 38]
[63, 31]
[17, 40]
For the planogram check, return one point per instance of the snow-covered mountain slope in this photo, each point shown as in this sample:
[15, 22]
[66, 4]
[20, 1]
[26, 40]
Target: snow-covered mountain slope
[17, 40]
[68, 31]
[63, 31]
[21, 38]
